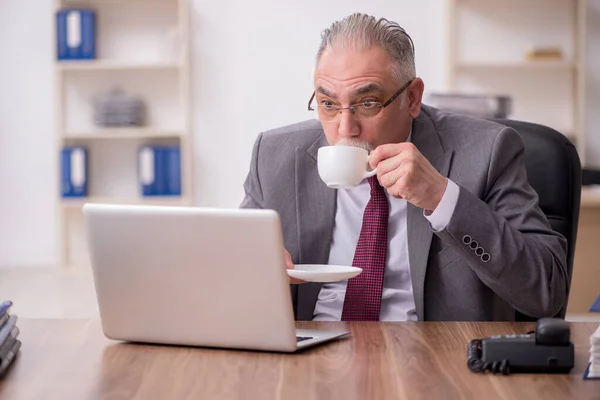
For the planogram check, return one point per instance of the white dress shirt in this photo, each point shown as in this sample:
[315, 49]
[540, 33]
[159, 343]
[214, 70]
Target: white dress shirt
[397, 300]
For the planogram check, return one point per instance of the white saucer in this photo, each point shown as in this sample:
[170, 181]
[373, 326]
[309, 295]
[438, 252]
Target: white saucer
[323, 272]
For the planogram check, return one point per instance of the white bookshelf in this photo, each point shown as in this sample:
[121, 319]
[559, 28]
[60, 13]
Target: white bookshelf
[487, 45]
[142, 47]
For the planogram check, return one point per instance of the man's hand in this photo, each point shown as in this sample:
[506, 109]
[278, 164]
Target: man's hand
[405, 173]
[290, 265]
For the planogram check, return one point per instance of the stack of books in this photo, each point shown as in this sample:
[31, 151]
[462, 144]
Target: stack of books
[594, 367]
[9, 344]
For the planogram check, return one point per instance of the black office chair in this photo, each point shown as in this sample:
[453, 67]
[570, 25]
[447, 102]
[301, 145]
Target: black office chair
[554, 171]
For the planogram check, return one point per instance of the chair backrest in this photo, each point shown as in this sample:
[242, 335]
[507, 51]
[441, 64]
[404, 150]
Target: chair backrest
[554, 171]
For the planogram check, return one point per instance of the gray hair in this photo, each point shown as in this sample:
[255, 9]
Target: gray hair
[365, 31]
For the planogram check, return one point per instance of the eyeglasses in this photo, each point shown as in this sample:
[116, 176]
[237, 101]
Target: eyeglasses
[364, 110]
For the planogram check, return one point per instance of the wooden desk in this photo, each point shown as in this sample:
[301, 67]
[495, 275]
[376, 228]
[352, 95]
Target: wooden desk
[71, 359]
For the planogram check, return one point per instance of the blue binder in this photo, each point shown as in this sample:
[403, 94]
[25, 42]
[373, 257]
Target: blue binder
[173, 173]
[74, 174]
[76, 34]
[151, 171]
[160, 170]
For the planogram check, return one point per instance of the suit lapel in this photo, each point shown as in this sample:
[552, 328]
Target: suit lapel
[315, 216]
[425, 138]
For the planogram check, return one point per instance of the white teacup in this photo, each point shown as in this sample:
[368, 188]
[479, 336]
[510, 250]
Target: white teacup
[343, 167]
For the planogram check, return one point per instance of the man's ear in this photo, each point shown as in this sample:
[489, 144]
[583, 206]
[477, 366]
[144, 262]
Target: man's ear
[415, 96]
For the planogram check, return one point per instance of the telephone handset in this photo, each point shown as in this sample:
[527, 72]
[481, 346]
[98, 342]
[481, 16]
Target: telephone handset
[548, 349]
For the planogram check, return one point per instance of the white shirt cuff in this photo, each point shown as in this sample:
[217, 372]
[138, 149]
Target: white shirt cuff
[440, 217]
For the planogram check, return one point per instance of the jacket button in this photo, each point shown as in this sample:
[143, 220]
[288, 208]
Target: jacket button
[473, 245]
[485, 257]
[466, 239]
[479, 251]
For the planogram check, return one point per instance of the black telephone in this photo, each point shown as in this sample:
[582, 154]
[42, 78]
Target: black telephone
[548, 350]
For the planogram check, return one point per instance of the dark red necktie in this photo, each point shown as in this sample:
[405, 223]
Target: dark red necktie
[363, 293]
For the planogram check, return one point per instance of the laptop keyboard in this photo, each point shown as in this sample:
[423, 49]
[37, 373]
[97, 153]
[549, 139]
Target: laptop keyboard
[303, 338]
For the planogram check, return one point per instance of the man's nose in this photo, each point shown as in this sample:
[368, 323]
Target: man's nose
[348, 127]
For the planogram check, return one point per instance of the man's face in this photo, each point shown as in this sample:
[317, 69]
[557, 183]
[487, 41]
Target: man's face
[348, 76]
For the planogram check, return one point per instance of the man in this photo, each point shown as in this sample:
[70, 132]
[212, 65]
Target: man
[465, 238]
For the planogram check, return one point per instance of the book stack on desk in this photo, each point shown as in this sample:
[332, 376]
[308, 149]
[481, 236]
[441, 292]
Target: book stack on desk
[594, 367]
[9, 344]
[593, 370]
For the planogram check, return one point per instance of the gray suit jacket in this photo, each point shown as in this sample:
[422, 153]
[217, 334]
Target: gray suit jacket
[497, 208]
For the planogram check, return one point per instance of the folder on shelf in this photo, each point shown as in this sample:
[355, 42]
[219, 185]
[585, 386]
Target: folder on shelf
[160, 170]
[74, 171]
[151, 171]
[173, 172]
[76, 34]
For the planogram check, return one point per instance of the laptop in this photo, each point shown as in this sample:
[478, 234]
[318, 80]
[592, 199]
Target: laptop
[194, 276]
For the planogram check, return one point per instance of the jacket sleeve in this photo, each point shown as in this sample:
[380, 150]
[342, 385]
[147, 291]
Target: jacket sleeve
[253, 197]
[506, 239]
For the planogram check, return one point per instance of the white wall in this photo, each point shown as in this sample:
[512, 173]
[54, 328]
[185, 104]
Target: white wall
[252, 62]
[27, 183]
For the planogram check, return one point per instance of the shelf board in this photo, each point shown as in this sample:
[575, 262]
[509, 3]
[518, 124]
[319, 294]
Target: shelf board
[113, 65]
[76, 203]
[518, 65]
[121, 133]
[86, 2]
